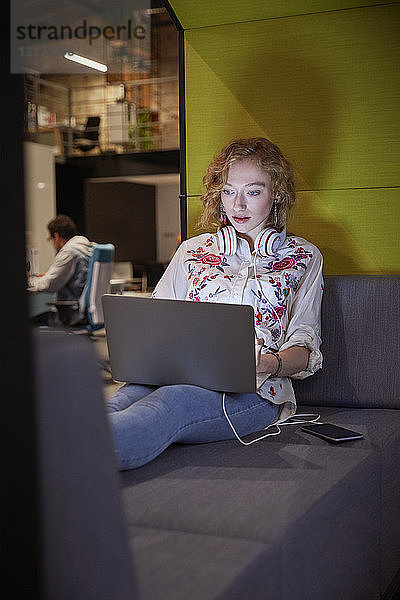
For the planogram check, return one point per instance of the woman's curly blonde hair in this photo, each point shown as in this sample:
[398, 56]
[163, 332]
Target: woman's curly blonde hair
[268, 157]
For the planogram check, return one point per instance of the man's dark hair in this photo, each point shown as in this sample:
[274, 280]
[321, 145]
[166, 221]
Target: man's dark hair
[63, 225]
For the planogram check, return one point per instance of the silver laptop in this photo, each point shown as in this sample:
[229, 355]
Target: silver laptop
[166, 342]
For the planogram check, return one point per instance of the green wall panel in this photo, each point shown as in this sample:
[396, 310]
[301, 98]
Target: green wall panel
[357, 231]
[206, 13]
[213, 114]
[194, 209]
[324, 87]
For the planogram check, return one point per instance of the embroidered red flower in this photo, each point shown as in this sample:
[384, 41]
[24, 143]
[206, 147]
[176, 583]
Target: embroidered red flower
[211, 259]
[285, 263]
[279, 311]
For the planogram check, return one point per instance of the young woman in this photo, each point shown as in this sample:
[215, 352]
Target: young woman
[249, 192]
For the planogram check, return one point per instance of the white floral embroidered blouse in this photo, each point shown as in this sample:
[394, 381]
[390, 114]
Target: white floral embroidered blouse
[287, 312]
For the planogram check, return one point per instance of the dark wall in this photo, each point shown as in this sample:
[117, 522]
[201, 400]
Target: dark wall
[70, 192]
[124, 214]
[73, 172]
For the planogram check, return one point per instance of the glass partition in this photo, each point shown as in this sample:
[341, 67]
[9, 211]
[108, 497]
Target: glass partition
[135, 106]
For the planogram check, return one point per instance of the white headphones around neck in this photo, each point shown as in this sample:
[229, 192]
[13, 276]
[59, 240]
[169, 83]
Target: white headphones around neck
[267, 243]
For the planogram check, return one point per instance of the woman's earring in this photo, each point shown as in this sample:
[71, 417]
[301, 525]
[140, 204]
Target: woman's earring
[222, 215]
[275, 212]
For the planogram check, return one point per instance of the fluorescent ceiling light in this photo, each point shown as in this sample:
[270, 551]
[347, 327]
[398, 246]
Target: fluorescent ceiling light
[86, 61]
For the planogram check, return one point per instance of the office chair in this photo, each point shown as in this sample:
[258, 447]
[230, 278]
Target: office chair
[89, 138]
[90, 306]
[98, 283]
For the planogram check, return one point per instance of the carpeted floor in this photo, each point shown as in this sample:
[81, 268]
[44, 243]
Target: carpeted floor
[100, 343]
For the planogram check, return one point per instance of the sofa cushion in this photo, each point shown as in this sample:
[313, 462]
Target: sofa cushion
[380, 427]
[302, 499]
[360, 341]
[178, 565]
[382, 430]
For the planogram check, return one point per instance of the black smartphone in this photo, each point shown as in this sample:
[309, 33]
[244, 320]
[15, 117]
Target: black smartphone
[332, 433]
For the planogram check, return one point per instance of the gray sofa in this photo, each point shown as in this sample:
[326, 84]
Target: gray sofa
[290, 518]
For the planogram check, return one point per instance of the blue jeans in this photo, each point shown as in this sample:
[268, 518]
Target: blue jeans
[145, 420]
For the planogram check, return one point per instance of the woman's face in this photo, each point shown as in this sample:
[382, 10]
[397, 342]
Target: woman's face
[247, 198]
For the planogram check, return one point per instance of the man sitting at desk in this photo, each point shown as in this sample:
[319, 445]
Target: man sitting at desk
[67, 274]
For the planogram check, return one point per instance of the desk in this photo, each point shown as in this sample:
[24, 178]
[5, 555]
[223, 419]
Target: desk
[137, 294]
[38, 302]
[65, 138]
[60, 135]
[121, 285]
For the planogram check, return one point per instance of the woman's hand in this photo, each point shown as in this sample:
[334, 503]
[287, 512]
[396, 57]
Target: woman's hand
[265, 363]
[294, 359]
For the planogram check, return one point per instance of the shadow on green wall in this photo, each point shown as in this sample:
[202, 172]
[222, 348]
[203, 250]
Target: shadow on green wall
[293, 102]
[341, 253]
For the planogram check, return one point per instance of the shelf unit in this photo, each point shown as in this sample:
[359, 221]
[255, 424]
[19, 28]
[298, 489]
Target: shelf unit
[135, 116]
